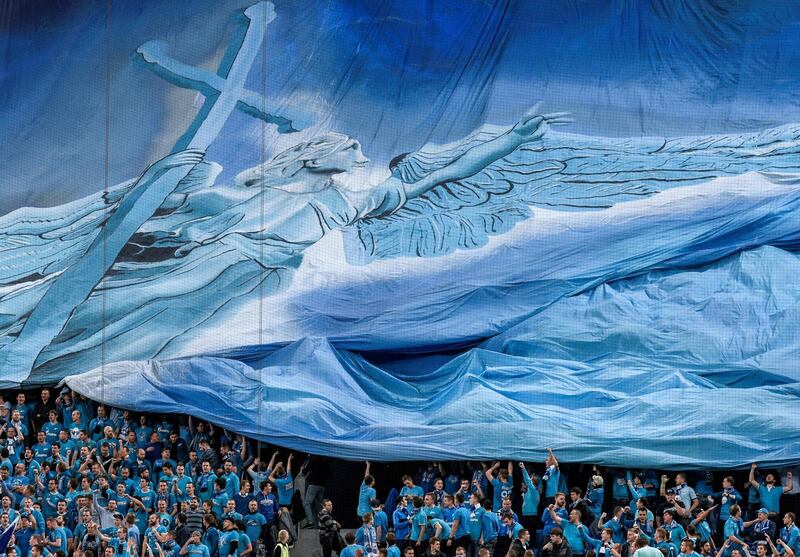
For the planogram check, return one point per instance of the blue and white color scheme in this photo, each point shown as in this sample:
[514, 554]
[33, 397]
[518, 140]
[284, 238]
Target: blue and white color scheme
[321, 221]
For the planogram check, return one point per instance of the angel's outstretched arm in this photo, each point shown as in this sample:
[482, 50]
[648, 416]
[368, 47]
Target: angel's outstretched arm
[530, 128]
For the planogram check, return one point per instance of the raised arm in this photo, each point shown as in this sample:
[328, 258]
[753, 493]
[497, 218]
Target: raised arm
[530, 128]
[289, 463]
[489, 473]
[366, 469]
[752, 477]
[701, 516]
[526, 477]
[789, 482]
[553, 460]
[787, 550]
[271, 463]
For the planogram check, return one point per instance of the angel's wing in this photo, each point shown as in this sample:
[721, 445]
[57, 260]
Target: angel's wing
[563, 172]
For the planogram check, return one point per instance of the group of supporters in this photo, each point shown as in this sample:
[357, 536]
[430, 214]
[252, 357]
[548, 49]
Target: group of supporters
[479, 510]
[78, 479]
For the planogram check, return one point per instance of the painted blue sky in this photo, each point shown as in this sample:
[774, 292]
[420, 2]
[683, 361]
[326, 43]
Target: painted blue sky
[391, 73]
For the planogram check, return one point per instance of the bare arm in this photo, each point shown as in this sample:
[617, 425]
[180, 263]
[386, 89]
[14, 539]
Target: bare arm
[490, 472]
[789, 482]
[530, 128]
[752, 477]
[366, 470]
[553, 460]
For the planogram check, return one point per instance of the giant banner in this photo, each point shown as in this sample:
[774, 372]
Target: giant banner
[357, 227]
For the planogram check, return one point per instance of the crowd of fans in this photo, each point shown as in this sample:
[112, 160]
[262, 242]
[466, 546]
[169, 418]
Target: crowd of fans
[78, 479]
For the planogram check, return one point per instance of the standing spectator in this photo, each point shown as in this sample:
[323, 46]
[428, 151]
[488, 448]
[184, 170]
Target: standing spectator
[490, 527]
[41, 412]
[733, 531]
[282, 547]
[571, 530]
[402, 521]
[284, 482]
[595, 493]
[410, 491]
[770, 493]
[675, 530]
[551, 477]
[557, 546]
[177, 447]
[366, 492]
[790, 534]
[636, 488]
[762, 526]
[317, 473]
[367, 537]
[328, 529]
[577, 503]
[502, 485]
[672, 503]
[255, 524]
[530, 499]
[559, 507]
[350, 549]
[427, 476]
[727, 498]
[380, 521]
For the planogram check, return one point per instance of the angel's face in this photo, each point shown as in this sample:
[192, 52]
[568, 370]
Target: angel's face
[343, 160]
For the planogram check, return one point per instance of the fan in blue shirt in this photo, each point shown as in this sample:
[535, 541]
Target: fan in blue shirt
[503, 484]
[366, 493]
[770, 493]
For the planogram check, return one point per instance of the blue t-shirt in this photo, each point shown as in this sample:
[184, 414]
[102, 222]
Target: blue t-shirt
[392, 551]
[51, 431]
[197, 550]
[285, 485]
[502, 490]
[771, 498]
[462, 514]
[244, 541]
[380, 519]
[225, 542]
[253, 524]
[418, 520]
[552, 478]
[365, 495]
[475, 522]
[350, 551]
[490, 526]
[150, 537]
[431, 530]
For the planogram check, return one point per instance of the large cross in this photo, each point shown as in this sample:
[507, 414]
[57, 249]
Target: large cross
[224, 92]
